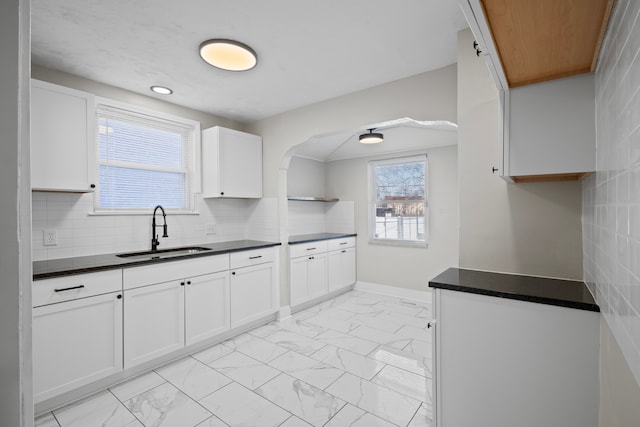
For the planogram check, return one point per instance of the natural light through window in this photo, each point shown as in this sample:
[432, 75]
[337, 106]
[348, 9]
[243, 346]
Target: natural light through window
[143, 161]
[398, 201]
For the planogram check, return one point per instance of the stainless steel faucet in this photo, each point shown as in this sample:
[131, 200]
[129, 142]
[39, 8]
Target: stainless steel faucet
[154, 237]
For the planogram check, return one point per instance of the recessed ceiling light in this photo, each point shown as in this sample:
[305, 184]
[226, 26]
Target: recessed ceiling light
[371, 137]
[161, 90]
[228, 55]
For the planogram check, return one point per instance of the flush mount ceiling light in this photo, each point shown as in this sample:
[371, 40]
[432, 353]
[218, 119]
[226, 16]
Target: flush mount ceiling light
[161, 90]
[228, 55]
[371, 137]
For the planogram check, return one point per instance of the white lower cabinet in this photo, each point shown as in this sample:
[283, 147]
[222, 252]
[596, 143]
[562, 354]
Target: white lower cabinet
[75, 343]
[317, 268]
[165, 317]
[252, 293]
[206, 306]
[154, 322]
[308, 277]
[342, 268]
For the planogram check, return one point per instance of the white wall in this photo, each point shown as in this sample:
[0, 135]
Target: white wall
[16, 395]
[80, 234]
[427, 96]
[517, 228]
[611, 215]
[305, 177]
[404, 267]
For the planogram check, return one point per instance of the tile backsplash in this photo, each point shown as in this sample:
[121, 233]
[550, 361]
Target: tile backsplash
[320, 217]
[611, 196]
[80, 233]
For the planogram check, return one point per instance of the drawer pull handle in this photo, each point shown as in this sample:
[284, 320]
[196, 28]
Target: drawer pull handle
[311, 249]
[69, 289]
[255, 257]
[343, 251]
[312, 257]
[343, 243]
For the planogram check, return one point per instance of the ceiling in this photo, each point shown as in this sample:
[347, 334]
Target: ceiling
[307, 51]
[400, 135]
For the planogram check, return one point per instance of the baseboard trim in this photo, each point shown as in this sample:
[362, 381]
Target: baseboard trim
[284, 312]
[394, 291]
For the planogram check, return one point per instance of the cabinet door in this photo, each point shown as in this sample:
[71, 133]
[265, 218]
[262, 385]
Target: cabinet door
[318, 275]
[76, 342]
[154, 322]
[206, 306]
[252, 293]
[231, 163]
[62, 128]
[342, 268]
[299, 279]
[241, 164]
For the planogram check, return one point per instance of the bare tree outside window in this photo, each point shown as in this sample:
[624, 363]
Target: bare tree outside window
[398, 198]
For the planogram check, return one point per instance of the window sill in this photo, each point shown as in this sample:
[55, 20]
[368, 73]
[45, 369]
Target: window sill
[400, 243]
[140, 212]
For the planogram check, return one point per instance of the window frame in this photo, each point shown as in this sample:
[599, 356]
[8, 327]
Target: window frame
[194, 184]
[372, 200]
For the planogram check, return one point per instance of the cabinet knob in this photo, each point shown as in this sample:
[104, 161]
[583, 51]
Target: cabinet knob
[181, 283]
[189, 282]
[92, 186]
[233, 273]
[222, 193]
[494, 169]
[119, 296]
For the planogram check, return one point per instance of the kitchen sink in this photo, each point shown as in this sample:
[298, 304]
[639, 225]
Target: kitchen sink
[164, 253]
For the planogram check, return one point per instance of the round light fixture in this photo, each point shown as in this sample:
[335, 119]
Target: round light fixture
[371, 137]
[161, 90]
[228, 55]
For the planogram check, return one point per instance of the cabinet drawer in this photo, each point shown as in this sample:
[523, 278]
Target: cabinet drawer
[59, 289]
[347, 242]
[307, 249]
[247, 258]
[136, 277]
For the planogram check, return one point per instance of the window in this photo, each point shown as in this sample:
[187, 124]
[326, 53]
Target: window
[398, 201]
[143, 161]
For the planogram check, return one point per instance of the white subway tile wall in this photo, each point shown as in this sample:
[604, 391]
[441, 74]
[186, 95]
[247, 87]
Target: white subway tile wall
[81, 234]
[321, 217]
[611, 197]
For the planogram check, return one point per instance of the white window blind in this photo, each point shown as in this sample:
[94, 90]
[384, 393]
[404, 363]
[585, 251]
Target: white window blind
[143, 161]
[398, 200]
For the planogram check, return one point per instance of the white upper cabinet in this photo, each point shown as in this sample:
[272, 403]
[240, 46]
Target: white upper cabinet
[62, 133]
[231, 163]
[548, 123]
[551, 129]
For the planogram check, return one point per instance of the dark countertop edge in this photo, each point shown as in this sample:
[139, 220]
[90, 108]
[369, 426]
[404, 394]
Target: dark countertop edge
[438, 283]
[519, 297]
[124, 263]
[307, 238]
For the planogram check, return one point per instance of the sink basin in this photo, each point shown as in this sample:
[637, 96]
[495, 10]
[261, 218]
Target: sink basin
[164, 253]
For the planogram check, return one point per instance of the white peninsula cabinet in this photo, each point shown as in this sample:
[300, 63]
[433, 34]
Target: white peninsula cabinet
[231, 164]
[253, 285]
[319, 267]
[62, 134]
[77, 331]
[171, 305]
[513, 350]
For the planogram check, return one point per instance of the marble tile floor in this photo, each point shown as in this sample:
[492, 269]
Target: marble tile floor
[359, 359]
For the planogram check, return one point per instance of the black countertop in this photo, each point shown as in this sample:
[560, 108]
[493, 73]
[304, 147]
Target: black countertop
[306, 238]
[563, 293]
[88, 264]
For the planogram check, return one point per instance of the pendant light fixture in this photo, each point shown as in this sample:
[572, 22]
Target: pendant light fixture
[371, 137]
[228, 55]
